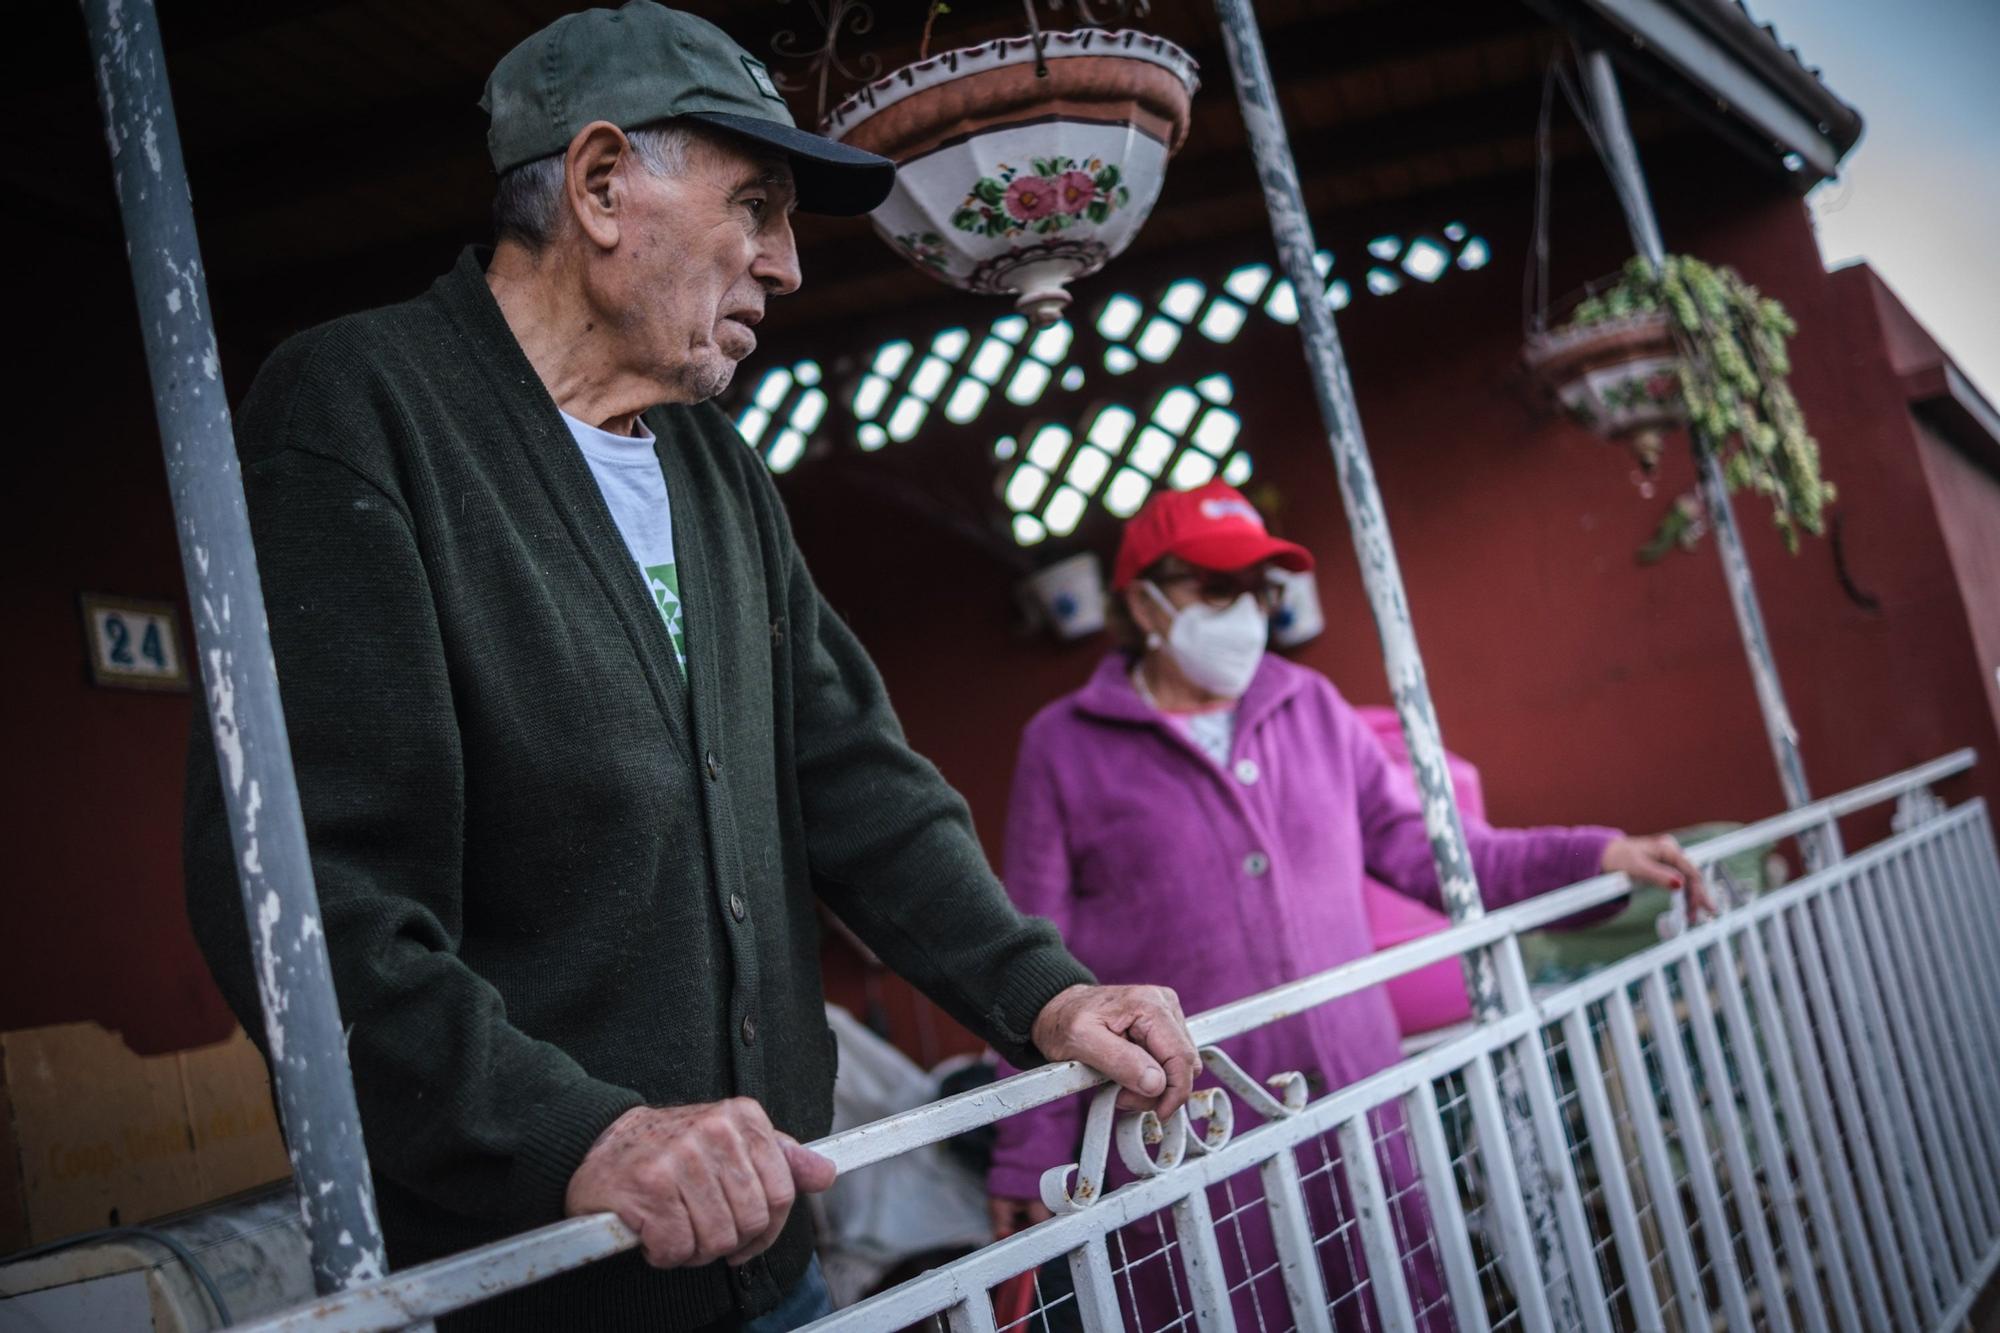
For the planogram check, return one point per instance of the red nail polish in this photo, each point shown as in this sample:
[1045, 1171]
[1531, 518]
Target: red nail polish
[1675, 881]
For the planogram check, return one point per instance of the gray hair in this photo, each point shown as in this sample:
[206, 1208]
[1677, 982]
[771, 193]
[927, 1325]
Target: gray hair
[527, 205]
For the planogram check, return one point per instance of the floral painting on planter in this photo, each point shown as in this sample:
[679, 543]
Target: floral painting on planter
[925, 249]
[1646, 387]
[1057, 192]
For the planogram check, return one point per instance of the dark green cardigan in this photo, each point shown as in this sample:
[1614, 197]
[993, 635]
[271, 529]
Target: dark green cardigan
[559, 881]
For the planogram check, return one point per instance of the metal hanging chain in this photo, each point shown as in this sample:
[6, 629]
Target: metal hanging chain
[1580, 106]
[1035, 35]
[1535, 282]
[1610, 137]
[1535, 276]
[1121, 10]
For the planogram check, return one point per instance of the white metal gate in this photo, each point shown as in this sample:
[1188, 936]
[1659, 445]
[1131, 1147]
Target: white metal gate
[1778, 1119]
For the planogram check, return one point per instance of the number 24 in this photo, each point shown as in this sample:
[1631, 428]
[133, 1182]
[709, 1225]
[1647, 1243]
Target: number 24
[119, 631]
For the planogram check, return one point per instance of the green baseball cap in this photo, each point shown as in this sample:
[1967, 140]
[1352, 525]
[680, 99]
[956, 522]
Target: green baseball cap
[644, 63]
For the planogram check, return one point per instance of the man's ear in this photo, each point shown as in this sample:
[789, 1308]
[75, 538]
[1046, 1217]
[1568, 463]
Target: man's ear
[593, 185]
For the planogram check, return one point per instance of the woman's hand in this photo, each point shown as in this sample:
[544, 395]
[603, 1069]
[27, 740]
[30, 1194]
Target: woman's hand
[1012, 1215]
[1658, 859]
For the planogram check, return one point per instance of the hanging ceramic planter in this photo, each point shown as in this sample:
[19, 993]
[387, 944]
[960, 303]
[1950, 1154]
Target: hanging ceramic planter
[1620, 378]
[1022, 167]
[1689, 342]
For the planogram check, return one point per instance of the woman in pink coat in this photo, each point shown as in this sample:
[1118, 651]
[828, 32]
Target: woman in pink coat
[1202, 815]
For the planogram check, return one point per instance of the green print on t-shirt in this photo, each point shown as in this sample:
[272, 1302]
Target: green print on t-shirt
[666, 588]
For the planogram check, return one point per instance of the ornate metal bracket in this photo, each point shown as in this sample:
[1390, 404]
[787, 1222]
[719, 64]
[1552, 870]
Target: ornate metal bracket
[834, 17]
[1112, 10]
[1151, 1147]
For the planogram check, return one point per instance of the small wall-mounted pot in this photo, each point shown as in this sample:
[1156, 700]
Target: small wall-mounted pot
[1070, 596]
[1298, 618]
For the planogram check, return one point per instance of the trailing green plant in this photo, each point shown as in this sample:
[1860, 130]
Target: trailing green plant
[1734, 381]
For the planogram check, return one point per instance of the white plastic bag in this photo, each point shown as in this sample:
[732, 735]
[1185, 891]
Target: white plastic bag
[921, 1201]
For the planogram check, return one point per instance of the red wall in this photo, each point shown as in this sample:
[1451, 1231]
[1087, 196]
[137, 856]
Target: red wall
[91, 924]
[1968, 503]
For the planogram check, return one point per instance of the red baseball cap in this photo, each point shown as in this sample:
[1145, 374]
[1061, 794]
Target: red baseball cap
[1212, 527]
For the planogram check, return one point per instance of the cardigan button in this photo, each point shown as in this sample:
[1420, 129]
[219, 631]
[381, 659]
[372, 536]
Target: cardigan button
[749, 1029]
[1256, 865]
[714, 767]
[737, 907]
[1247, 772]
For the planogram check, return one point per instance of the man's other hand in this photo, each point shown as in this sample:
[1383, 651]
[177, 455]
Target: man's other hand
[1135, 1035]
[697, 1183]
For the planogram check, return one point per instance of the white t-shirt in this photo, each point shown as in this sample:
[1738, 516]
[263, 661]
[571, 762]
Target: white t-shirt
[1213, 729]
[635, 490]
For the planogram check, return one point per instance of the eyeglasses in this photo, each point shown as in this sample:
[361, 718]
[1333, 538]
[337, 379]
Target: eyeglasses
[1220, 590]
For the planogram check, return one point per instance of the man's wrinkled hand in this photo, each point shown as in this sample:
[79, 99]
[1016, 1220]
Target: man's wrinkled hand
[1134, 1035]
[697, 1183]
[1659, 860]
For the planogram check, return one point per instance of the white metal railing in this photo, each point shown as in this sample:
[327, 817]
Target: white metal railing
[1777, 1119]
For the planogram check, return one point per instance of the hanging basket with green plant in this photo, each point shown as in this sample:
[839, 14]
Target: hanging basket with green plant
[1693, 343]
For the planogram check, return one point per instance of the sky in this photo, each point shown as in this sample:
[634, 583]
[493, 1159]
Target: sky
[1919, 197]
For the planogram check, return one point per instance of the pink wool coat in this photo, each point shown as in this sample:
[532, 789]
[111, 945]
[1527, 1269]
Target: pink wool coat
[1158, 865]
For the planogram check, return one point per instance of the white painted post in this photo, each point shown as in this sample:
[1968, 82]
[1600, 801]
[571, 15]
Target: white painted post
[308, 1053]
[1270, 147]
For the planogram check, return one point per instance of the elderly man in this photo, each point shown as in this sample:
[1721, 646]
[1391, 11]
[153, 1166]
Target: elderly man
[579, 744]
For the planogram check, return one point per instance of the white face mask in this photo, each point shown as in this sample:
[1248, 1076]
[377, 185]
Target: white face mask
[1217, 649]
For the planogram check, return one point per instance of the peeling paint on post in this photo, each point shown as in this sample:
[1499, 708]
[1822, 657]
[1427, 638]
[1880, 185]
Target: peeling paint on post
[1256, 96]
[1629, 180]
[301, 1015]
